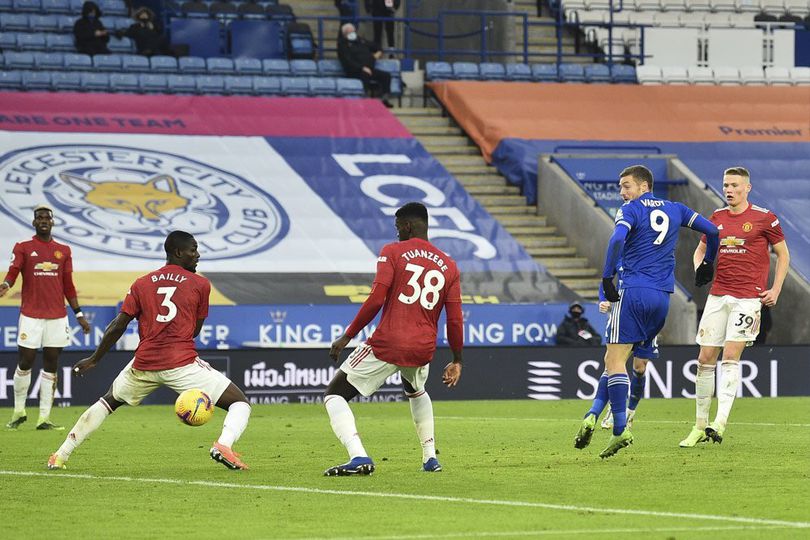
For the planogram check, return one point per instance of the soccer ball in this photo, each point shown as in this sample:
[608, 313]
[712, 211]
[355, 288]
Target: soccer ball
[194, 407]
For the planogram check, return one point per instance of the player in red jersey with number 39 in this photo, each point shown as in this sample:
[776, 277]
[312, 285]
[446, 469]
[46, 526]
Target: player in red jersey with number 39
[171, 305]
[414, 281]
[731, 316]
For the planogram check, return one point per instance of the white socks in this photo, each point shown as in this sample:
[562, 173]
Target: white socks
[342, 420]
[22, 382]
[728, 391]
[422, 412]
[704, 389]
[235, 423]
[46, 389]
[87, 423]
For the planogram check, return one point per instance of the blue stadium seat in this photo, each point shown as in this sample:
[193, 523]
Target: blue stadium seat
[248, 66]
[77, 62]
[329, 67]
[234, 84]
[300, 43]
[303, 68]
[124, 82]
[66, 22]
[134, 62]
[30, 6]
[8, 41]
[621, 73]
[44, 23]
[322, 86]
[121, 45]
[191, 64]
[95, 82]
[201, 35]
[163, 64]
[219, 65]
[19, 60]
[108, 62]
[117, 23]
[66, 81]
[257, 39]
[31, 42]
[281, 12]
[10, 80]
[36, 80]
[264, 86]
[56, 6]
[438, 71]
[49, 60]
[350, 88]
[597, 73]
[294, 86]
[60, 42]
[182, 84]
[396, 87]
[465, 71]
[492, 71]
[544, 72]
[210, 84]
[153, 83]
[275, 66]
[571, 73]
[14, 22]
[6, 5]
[389, 65]
[113, 7]
[76, 6]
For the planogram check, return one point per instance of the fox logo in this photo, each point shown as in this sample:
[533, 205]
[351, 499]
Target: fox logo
[153, 200]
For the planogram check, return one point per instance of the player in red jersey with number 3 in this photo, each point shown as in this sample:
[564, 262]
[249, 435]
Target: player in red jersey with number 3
[171, 305]
[414, 281]
[731, 316]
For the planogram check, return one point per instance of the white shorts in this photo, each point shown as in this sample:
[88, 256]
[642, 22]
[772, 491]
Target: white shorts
[133, 385]
[35, 333]
[367, 373]
[726, 318]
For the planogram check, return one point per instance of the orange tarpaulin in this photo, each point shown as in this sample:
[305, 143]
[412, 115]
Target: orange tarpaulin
[489, 112]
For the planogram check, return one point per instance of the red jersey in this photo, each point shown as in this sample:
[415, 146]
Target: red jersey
[167, 303]
[743, 260]
[47, 270]
[420, 280]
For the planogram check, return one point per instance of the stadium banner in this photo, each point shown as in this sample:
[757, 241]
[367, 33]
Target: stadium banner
[301, 375]
[308, 326]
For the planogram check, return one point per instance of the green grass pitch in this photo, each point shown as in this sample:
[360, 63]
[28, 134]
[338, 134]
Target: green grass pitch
[510, 471]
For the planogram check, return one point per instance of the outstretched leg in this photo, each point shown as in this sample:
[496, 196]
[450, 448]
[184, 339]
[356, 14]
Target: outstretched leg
[234, 401]
[88, 422]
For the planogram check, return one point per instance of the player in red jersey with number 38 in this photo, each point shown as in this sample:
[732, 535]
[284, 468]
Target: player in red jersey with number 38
[171, 305]
[731, 316]
[414, 281]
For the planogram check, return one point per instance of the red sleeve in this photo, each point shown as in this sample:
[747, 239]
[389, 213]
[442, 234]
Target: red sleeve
[369, 309]
[455, 318]
[17, 261]
[205, 293]
[131, 305]
[67, 277]
[385, 267]
[772, 229]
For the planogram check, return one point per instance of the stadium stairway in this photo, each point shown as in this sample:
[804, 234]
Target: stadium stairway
[453, 149]
[542, 39]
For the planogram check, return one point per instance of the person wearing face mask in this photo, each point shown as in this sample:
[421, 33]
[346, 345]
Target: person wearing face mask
[575, 330]
[89, 32]
[147, 34]
[358, 57]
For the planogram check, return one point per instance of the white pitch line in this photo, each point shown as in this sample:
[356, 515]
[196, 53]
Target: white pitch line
[409, 496]
[576, 420]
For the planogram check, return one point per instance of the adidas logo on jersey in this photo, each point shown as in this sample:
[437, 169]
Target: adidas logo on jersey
[34, 254]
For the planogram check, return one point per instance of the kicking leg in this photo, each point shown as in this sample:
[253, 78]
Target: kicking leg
[235, 402]
[618, 386]
[88, 422]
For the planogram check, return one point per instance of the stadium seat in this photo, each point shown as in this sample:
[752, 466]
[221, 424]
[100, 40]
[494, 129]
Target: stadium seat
[438, 71]
[239, 85]
[726, 75]
[223, 10]
[44, 23]
[275, 66]
[247, 66]
[121, 45]
[390, 65]
[797, 7]
[66, 81]
[152, 82]
[124, 82]
[201, 35]
[113, 7]
[778, 76]
[76, 62]
[31, 42]
[491, 71]
[182, 84]
[117, 23]
[29, 6]
[109, 62]
[194, 9]
[36, 80]
[163, 64]
[800, 75]
[219, 65]
[134, 63]
[266, 85]
[257, 39]
[8, 41]
[56, 6]
[597, 73]
[649, 74]
[322, 86]
[210, 84]
[19, 60]
[294, 86]
[303, 68]
[674, 75]
[752, 76]
[350, 87]
[191, 64]
[465, 71]
[10, 80]
[66, 23]
[518, 72]
[281, 12]
[95, 82]
[14, 22]
[700, 75]
[46, 60]
[571, 72]
[329, 67]
[60, 42]
[544, 72]
[251, 10]
[300, 43]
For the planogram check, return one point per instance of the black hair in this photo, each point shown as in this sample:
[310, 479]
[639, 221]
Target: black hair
[176, 240]
[413, 210]
[91, 7]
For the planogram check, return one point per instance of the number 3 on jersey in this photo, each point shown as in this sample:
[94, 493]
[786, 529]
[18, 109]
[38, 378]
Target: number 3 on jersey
[428, 292]
[167, 293]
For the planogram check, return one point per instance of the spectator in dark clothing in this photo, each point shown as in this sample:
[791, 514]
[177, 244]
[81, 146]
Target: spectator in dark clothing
[358, 56]
[347, 10]
[89, 32]
[575, 330]
[147, 34]
[383, 8]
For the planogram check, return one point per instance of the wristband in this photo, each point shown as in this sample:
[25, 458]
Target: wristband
[77, 309]
[79, 314]
[7, 284]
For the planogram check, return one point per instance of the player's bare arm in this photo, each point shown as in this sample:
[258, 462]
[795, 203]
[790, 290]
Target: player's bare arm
[80, 318]
[3, 289]
[112, 334]
[771, 296]
[700, 253]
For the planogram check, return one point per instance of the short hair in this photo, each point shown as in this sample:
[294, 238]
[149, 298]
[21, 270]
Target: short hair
[176, 240]
[640, 173]
[43, 207]
[738, 171]
[413, 210]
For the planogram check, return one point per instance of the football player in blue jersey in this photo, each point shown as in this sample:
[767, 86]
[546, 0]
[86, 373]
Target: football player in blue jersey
[644, 239]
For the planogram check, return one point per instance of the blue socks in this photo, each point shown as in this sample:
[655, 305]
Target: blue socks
[618, 386]
[601, 398]
[637, 384]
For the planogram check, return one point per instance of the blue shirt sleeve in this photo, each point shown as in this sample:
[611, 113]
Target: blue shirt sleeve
[614, 249]
[696, 222]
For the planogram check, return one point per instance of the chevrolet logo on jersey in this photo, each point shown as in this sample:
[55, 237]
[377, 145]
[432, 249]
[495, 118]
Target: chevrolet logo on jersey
[732, 241]
[46, 266]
